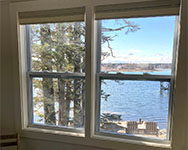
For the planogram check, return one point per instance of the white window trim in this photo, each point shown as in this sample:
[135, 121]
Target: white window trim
[89, 139]
[126, 77]
[32, 74]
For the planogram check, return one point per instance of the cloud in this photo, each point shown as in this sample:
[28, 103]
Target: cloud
[137, 58]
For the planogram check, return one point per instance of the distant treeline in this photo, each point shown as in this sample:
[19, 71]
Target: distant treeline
[131, 66]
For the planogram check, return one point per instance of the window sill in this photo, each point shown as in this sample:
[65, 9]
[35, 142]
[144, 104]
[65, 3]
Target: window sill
[131, 141]
[52, 132]
[93, 141]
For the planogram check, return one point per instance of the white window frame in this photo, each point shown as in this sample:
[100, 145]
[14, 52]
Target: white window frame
[144, 77]
[34, 74]
[90, 138]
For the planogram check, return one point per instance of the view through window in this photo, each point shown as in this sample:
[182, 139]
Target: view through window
[135, 70]
[56, 69]
[135, 75]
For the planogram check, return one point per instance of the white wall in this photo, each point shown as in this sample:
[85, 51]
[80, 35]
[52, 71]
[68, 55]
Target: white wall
[10, 97]
[31, 144]
[181, 90]
[7, 122]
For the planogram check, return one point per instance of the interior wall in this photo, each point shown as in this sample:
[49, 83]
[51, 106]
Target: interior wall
[33, 144]
[7, 112]
[181, 87]
[7, 122]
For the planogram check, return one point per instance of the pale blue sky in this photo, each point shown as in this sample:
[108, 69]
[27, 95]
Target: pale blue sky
[153, 43]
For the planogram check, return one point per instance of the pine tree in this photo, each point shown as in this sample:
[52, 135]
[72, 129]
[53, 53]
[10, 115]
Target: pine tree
[60, 47]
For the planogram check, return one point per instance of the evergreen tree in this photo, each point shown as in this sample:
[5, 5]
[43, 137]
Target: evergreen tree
[60, 47]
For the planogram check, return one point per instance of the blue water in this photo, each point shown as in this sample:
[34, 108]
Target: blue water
[160, 72]
[137, 99]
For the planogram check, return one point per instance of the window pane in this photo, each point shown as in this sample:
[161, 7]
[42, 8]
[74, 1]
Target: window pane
[58, 47]
[137, 45]
[134, 107]
[59, 102]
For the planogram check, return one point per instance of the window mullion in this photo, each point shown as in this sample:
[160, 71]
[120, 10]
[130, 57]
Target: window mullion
[90, 72]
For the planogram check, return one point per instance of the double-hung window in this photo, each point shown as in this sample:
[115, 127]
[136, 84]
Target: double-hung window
[135, 72]
[131, 56]
[56, 69]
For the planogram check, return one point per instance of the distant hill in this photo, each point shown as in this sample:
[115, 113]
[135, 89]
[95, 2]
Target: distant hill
[134, 66]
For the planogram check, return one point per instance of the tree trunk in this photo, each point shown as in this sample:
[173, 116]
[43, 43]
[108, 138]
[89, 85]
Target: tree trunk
[78, 85]
[78, 97]
[47, 83]
[78, 117]
[49, 108]
[65, 95]
[62, 103]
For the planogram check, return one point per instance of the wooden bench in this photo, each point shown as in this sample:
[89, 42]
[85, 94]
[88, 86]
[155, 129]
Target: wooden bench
[10, 140]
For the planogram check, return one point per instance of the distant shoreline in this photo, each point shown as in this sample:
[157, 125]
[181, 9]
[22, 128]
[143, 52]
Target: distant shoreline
[132, 70]
[126, 67]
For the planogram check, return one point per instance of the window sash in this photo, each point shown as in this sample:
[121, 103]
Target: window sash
[30, 76]
[130, 137]
[133, 78]
[57, 128]
[121, 76]
[65, 75]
